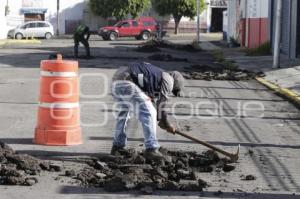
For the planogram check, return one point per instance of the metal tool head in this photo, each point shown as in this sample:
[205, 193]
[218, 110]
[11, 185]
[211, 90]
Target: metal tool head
[235, 157]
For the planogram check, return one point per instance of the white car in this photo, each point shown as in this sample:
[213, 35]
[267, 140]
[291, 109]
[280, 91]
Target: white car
[32, 29]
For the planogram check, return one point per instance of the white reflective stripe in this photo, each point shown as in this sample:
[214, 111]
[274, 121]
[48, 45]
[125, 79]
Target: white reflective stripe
[141, 80]
[58, 74]
[58, 105]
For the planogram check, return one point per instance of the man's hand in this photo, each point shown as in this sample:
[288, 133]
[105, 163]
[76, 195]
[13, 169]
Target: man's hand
[167, 126]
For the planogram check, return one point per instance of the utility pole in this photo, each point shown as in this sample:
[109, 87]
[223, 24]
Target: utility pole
[198, 21]
[6, 8]
[276, 58]
[57, 17]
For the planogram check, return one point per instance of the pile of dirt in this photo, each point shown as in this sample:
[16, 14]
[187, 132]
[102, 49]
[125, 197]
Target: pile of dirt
[148, 47]
[20, 169]
[166, 57]
[208, 73]
[154, 45]
[132, 170]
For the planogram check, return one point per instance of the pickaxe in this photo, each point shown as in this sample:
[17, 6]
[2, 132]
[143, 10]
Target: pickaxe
[233, 157]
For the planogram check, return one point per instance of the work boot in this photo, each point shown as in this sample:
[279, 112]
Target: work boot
[154, 155]
[123, 151]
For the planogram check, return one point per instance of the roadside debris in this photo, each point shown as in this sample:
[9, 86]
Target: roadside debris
[176, 171]
[248, 177]
[166, 57]
[131, 170]
[20, 169]
[209, 73]
[154, 45]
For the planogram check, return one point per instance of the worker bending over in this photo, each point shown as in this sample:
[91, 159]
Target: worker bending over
[82, 35]
[143, 89]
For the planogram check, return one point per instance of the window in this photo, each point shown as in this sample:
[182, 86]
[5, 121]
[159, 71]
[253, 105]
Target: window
[135, 24]
[42, 25]
[31, 25]
[125, 24]
[148, 23]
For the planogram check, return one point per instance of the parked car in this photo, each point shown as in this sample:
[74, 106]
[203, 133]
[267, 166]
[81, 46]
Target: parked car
[41, 29]
[141, 29]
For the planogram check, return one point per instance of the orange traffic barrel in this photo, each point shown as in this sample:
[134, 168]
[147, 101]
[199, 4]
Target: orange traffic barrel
[58, 112]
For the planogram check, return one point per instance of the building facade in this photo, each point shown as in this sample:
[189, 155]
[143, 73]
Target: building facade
[249, 22]
[290, 27]
[20, 11]
[252, 23]
[70, 13]
[213, 15]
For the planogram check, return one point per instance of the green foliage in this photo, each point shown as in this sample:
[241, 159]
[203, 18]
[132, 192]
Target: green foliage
[262, 50]
[118, 8]
[227, 64]
[178, 9]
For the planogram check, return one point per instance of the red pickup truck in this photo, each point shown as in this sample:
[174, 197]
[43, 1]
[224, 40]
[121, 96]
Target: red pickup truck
[141, 29]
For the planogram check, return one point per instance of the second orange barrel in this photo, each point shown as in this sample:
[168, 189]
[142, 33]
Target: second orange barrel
[58, 112]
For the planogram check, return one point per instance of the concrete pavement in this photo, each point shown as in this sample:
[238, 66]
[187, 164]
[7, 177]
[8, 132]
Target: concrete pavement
[224, 113]
[285, 80]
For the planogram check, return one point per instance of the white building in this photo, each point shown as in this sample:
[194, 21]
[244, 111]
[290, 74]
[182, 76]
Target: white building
[20, 11]
[212, 17]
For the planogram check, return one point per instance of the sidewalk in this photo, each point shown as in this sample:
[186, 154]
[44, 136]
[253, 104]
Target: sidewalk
[5, 42]
[285, 81]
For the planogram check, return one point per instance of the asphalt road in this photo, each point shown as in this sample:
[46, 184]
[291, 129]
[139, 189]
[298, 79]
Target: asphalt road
[224, 113]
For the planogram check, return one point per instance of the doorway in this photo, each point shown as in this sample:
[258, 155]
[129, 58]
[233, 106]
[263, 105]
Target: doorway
[217, 19]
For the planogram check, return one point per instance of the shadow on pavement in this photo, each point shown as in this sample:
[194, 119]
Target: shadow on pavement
[32, 55]
[27, 141]
[229, 88]
[204, 194]
[243, 132]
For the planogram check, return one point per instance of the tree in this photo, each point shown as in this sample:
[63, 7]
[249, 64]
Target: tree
[178, 9]
[118, 8]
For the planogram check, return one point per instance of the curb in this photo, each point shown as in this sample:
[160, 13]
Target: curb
[291, 95]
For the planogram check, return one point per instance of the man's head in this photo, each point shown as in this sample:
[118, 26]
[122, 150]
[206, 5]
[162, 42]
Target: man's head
[179, 83]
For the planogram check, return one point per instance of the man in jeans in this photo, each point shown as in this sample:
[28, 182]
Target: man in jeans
[135, 88]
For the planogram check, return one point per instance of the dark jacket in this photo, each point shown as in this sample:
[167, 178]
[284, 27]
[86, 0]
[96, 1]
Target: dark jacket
[82, 32]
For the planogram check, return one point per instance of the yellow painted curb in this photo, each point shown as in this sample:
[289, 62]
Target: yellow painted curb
[292, 95]
[14, 41]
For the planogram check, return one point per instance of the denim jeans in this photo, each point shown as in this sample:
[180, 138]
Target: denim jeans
[130, 98]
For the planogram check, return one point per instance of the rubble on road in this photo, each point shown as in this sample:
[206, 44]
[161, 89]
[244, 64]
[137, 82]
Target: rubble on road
[166, 57]
[20, 169]
[154, 45]
[248, 177]
[131, 170]
[209, 73]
